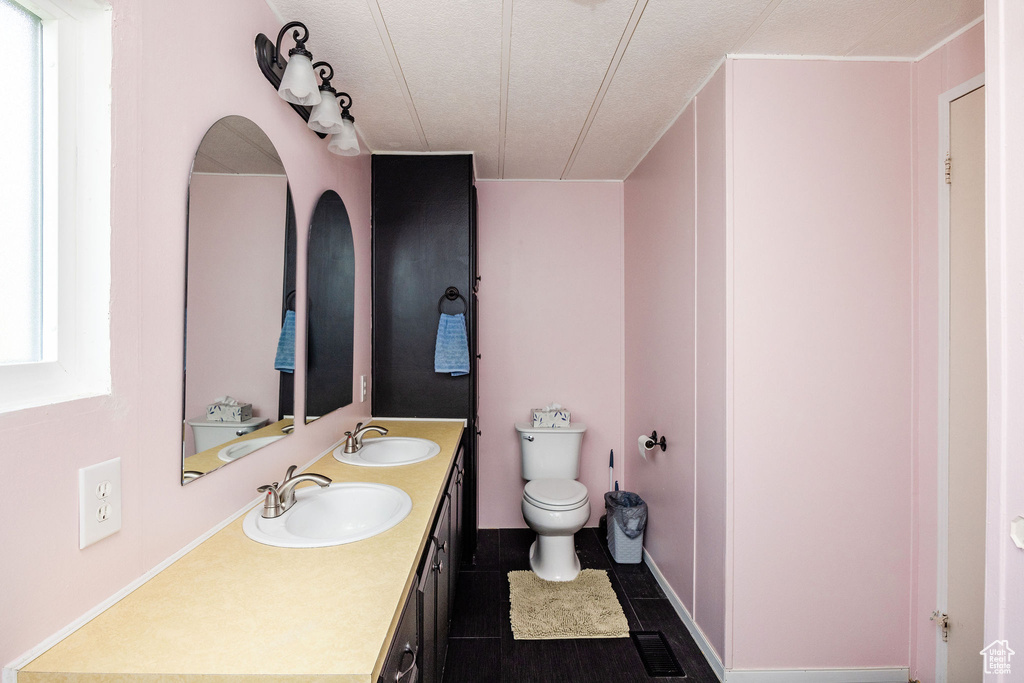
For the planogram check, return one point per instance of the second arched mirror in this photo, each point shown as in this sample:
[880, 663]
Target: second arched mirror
[330, 292]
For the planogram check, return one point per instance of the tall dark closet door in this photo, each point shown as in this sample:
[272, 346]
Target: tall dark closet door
[424, 242]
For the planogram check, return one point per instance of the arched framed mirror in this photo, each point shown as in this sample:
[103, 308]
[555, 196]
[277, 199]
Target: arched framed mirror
[240, 254]
[330, 288]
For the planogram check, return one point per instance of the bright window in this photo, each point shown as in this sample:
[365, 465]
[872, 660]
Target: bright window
[21, 187]
[54, 202]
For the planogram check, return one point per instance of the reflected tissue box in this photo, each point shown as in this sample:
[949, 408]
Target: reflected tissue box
[552, 416]
[228, 412]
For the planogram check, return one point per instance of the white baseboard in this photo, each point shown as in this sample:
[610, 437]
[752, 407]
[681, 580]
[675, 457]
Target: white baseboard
[691, 626]
[10, 670]
[819, 676]
[894, 675]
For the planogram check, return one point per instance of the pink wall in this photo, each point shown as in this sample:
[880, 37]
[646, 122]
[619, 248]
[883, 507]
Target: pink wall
[822, 363]
[48, 581]
[551, 315]
[957, 61]
[236, 267]
[1004, 110]
[659, 288]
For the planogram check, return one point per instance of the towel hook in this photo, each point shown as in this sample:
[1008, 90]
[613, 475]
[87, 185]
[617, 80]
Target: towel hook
[451, 294]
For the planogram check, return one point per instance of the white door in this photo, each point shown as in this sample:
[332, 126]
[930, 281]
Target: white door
[967, 388]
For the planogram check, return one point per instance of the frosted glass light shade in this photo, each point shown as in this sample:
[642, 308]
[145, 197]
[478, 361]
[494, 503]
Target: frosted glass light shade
[345, 143]
[298, 85]
[326, 116]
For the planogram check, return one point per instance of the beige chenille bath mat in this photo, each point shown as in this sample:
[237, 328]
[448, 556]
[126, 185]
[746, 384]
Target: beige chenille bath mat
[585, 607]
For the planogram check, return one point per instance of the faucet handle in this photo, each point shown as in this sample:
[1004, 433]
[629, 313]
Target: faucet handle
[272, 504]
[289, 474]
[359, 425]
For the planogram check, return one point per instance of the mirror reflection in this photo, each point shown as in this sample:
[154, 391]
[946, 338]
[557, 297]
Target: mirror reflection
[330, 286]
[239, 336]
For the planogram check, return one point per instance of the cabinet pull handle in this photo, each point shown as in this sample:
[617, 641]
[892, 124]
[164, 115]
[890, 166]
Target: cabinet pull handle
[411, 668]
[439, 566]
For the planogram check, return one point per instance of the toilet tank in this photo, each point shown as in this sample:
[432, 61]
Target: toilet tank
[209, 434]
[550, 452]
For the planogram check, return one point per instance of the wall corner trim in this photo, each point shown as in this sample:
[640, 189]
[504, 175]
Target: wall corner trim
[896, 675]
[702, 642]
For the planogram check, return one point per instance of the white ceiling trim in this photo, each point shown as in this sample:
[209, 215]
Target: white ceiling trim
[765, 13]
[951, 36]
[620, 49]
[821, 58]
[506, 60]
[396, 65]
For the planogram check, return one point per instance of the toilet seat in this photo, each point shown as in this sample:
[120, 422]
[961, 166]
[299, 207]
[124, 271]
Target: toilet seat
[556, 494]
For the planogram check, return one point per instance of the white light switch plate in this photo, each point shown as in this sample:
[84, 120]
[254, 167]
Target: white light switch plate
[99, 501]
[362, 388]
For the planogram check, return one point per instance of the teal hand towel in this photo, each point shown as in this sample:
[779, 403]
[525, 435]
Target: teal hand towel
[285, 359]
[451, 351]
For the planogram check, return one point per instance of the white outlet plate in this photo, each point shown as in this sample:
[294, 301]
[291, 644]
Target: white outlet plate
[362, 388]
[99, 501]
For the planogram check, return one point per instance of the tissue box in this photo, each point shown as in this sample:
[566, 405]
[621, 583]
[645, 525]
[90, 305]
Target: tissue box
[550, 418]
[224, 412]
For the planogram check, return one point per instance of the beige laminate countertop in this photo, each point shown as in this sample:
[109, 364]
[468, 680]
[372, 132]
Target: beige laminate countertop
[234, 607]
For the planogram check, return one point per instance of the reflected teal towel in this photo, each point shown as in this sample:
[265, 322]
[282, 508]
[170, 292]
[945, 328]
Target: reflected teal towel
[451, 352]
[285, 359]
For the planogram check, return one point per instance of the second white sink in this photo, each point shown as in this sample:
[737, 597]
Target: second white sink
[389, 451]
[340, 513]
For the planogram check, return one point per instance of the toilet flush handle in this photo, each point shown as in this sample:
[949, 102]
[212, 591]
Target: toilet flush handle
[528, 437]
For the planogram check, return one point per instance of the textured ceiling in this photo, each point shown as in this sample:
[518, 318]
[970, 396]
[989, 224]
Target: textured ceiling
[575, 89]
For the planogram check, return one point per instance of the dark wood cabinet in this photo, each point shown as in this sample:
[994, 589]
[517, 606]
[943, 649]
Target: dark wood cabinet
[424, 241]
[401, 664]
[422, 633]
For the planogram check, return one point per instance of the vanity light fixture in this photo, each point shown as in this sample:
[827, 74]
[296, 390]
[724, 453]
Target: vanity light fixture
[295, 80]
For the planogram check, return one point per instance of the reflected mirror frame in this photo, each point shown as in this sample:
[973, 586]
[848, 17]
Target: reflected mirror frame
[259, 147]
[330, 308]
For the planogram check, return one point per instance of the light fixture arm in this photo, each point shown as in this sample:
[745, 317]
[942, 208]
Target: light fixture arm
[300, 42]
[345, 100]
[326, 72]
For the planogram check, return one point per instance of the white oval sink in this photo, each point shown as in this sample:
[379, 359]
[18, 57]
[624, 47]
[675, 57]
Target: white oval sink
[389, 451]
[240, 448]
[340, 513]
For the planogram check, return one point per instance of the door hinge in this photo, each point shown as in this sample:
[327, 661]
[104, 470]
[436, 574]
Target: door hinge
[949, 169]
[943, 621]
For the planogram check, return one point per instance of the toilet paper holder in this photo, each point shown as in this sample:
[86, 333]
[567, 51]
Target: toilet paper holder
[653, 441]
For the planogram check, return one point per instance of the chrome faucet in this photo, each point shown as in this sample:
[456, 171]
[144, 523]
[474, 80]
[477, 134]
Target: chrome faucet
[354, 439]
[280, 497]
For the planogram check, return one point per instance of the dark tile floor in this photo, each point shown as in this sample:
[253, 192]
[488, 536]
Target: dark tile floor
[481, 648]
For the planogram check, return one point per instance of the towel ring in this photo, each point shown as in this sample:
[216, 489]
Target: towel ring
[451, 294]
[289, 301]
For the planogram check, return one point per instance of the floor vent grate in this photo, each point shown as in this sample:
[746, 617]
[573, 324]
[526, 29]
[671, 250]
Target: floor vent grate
[655, 654]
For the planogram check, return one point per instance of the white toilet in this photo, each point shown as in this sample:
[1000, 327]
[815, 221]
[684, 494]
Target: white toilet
[208, 434]
[555, 505]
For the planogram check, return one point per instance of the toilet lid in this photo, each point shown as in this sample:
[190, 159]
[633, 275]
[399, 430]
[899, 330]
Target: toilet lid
[556, 494]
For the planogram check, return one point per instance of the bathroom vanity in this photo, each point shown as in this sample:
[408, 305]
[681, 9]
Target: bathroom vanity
[232, 607]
